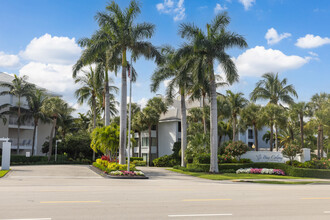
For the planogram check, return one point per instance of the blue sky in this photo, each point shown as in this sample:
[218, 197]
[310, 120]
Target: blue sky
[292, 37]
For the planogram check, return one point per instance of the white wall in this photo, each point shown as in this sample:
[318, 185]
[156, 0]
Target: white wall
[168, 132]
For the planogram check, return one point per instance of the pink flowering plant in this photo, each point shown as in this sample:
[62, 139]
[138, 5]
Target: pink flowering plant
[126, 173]
[261, 171]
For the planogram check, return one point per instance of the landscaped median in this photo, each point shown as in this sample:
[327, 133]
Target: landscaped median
[3, 173]
[110, 169]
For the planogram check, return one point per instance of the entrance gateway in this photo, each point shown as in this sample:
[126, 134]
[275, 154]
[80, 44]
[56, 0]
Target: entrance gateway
[6, 149]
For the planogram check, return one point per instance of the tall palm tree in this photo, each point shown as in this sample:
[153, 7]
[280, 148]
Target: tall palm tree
[268, 114]
[207, 48]
[273, 89]
[151, 117]
[123, 36]
[160, 106]
[91, 88]
[54, 108]
[251, 117]
[138, 124]
[177, 70]
[35, 101]
[301, 109]
[21, 89]
[320, 105]
[236, 102]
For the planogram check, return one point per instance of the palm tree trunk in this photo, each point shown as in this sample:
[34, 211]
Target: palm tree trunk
[18, 123]
[123, 111]
[276, 138]
[234, 128]
[271, 137]
[140, 139]
[319, 142]
[149, 157]
[107, 100]
[204, 116]
[94, 119]
[256, 137]
[183, 129]
[214, 125]
[34, 135]
[51, 139]
[302, 131]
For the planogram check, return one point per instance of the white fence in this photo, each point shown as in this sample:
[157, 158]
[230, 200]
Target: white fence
[275, 157]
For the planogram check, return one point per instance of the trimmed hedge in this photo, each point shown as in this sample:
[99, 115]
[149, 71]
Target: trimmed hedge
[131, 159]
[39, 160]
[289, 170]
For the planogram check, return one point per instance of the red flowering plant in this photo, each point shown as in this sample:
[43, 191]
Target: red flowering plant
[236, 149]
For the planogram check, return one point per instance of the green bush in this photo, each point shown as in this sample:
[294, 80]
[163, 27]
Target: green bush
[135, 158]
[165, 161]
[236, 149]
[139, 163]
[289, 170]
[228, 171]
[245, 160]
[23, 160]
[203, 158]
[291, 151]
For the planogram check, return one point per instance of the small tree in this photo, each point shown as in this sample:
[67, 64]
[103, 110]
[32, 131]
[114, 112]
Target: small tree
[291, 151]
[236, 149]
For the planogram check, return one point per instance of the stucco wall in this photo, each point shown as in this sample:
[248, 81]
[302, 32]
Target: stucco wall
[167, 136]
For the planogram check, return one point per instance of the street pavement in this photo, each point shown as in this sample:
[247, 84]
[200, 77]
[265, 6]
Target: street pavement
[76, 192]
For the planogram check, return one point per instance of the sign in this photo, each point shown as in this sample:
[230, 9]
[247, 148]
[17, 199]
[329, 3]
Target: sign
[6, 148]
[265, 156]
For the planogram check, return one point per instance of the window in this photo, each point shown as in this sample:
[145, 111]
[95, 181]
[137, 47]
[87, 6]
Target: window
[250, 144]
[179, 126]
[145, 141]
[153, 127]
[250, 134]
[153, 141]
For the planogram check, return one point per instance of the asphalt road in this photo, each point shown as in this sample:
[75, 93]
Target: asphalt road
[76, 192]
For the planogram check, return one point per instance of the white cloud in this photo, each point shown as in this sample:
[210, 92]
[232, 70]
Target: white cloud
[257, 61]
[142, 102]
[313, 54]
[54, 77]
[8, 60]
[247, 3]
[176, 8]
[48, 49]
[219, 8]
[273, 37]
[311, 41]
[167, 82]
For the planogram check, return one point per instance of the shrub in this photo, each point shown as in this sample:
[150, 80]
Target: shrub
[116, 166]
[291, 151]
[135, 158]
[236, 149]
[139, 163]
[203, 158]
[165, 161]
[226, 158]
[228, 171]
[245, 160]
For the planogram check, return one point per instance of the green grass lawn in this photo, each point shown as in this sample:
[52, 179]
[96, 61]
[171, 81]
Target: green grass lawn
[3, 172]
[233, 176]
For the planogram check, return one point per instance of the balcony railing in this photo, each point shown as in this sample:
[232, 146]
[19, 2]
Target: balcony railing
[13, 121]
[23, 143]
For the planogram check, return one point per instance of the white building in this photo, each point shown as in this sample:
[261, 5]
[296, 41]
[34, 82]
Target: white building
[26, 129]
[170, 132]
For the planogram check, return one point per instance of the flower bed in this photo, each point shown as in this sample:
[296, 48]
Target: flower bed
[261, 171]
[126, 173]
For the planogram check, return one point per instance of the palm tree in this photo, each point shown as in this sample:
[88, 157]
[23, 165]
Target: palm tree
[268, 114]
[92, 88]
[138, 124]
[320, 105]
[207, 48]
[236, 102]
[250, 117]
[54, 108]
[35, 101]
[272, 89]
[123, 36]
[177, 71]
[151, 117]
[19, 88]
[160, 106]
[301, 109]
